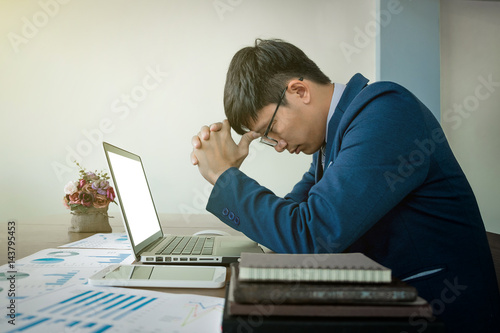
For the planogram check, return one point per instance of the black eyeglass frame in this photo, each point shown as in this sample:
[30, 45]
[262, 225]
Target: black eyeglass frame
[265, 139]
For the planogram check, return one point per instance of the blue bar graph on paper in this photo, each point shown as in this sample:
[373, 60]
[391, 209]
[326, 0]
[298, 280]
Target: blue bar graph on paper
[112, 259]
[63, 278]
[105, 305]
[71, 309]
[113, 299]
[83, 311]
[125, 306]
[30, 325]
[103, 329]
[37, 324]
[134, 309]
[92, 308]
[113, 306]
[65, 301]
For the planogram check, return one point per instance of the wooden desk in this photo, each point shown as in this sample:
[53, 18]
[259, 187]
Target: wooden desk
[52, 231]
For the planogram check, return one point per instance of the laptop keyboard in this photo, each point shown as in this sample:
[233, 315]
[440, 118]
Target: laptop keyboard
[184, 245]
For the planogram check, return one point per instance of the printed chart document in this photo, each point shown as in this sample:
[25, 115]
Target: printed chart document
[76, 258]
[79, 308]
[117, 241]
[52, 295]
[51, 269]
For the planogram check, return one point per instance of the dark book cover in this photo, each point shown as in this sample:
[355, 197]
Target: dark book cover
[263, 323]
[417, 308]
[320, 292]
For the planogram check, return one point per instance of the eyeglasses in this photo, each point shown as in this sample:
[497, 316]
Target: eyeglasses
[265, 139]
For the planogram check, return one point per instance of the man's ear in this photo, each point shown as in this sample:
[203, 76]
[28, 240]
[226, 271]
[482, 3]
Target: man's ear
[300, 89]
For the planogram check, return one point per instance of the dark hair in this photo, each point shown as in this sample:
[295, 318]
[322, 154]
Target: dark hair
[257, 75]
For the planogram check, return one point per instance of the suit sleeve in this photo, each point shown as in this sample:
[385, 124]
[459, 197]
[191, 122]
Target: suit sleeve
[378, 164]
[300, 191]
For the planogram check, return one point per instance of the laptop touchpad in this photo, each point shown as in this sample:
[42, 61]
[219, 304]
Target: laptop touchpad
[229, 246]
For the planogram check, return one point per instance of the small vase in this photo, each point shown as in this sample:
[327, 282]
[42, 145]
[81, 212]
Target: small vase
[92, 220]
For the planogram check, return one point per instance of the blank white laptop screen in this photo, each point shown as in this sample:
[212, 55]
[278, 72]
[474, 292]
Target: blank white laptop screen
[135, 197]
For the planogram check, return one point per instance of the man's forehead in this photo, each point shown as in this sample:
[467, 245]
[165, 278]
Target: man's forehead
[260, 124]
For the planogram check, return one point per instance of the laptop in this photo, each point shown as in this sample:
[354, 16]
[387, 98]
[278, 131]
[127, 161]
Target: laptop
[149, 244]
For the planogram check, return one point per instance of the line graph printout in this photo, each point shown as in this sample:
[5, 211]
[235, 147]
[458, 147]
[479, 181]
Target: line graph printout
[78, 308]
[102, 241]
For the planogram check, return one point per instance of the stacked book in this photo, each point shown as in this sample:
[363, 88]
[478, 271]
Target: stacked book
[331, 289]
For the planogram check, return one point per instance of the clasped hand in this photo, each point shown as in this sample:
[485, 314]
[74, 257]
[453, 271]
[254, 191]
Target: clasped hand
[214, 150]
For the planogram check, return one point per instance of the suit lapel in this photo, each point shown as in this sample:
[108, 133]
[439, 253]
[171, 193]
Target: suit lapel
[352, 89]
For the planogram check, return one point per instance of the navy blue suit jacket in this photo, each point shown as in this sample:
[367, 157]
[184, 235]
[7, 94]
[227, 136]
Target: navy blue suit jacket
[390, 188]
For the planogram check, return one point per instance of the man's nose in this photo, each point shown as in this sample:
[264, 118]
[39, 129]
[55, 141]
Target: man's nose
[280, 147]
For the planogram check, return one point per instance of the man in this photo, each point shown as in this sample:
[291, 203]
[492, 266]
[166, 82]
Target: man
[383, 180]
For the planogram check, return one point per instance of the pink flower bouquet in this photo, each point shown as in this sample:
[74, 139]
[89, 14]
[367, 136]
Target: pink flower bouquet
[92, 189]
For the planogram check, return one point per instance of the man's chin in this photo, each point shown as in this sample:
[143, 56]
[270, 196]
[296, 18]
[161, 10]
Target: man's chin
[307, 151]
[310, 151]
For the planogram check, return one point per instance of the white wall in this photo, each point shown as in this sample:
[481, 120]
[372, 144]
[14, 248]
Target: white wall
[66, 67]
[407, 50]
[470, 108]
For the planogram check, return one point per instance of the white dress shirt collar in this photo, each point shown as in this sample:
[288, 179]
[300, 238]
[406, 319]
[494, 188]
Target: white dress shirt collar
[337, 94]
